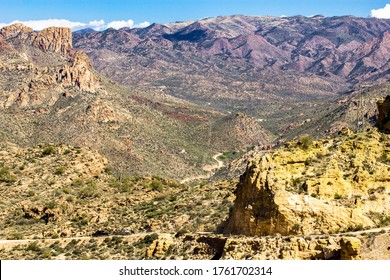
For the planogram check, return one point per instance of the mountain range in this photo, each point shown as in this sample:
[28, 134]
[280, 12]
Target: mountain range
[248, 64]
[176, 138]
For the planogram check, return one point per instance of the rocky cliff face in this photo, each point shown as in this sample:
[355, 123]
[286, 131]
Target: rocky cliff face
[333, 185]
[16, 30]
[78, 74]
[43, 61]
[383, 121]
[51, 39]
[55, 39]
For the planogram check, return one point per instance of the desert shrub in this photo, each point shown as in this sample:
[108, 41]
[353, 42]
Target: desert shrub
[67, 189]
[60, 170]
[77, 183]
[308, 161]
[156, 184]
[71, 244]
[49, 150]
[89, 191]
[357, 227]
[385, 157]
[108, 169]
[338, 196]
[15, 236]
[6, 176]
[51, 204]
[384, 221]
[33, 246]
[123, 185]
[305, 141]
[148, 239]
[30, 193]
[46, 254]
[296, 185]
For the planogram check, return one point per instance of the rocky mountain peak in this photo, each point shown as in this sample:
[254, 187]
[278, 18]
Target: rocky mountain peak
[80, 73]
[51, 39]
[15, 30]
[43, 62]
[55, 39]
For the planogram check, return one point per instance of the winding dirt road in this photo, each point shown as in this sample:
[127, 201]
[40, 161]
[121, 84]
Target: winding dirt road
[210, 169]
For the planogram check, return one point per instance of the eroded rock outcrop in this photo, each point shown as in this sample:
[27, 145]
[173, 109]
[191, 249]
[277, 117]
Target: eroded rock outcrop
[79, 73]
[44, 61]
[159, 247]
[51, 39]
[383, 121]
[308, 188]
[55, 39]
[16, 30]
[350, 248]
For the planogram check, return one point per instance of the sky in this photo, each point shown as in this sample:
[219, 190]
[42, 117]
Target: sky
[99, 15]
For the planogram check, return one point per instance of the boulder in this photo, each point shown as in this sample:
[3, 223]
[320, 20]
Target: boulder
[350, 248]
[159, 247]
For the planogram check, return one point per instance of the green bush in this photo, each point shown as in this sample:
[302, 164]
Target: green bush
[30, 193]
[384, 221]
[306, 141]
[60, 170]
[338, 196]
[50, 204]
[33, 246]
[49, 150]
[6, 176]
[78, 182]
[385, 157]
[156, 184]
[89, 191]
[123, 185]
[148, 239]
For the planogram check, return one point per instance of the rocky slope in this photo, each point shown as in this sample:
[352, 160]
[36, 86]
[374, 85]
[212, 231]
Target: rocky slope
[333, 185]
[56, 197]
[50, 93]
[62, 191]
[363, 245]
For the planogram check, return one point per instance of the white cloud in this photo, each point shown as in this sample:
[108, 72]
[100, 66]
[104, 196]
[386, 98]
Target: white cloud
[142, 24]
[120, 23]
[381, 13]
[97, 25]
[41, 24]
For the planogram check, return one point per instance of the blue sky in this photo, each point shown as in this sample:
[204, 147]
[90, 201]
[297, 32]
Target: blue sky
[135, 12]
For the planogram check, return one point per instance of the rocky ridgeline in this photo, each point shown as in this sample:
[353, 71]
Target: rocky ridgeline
[308, 187]
[53, 39]
[43, 60]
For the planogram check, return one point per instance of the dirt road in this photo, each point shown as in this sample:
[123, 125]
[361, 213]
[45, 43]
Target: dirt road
[210, 169]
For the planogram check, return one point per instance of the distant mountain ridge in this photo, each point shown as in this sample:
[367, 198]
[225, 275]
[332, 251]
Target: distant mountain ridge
[269, 56]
